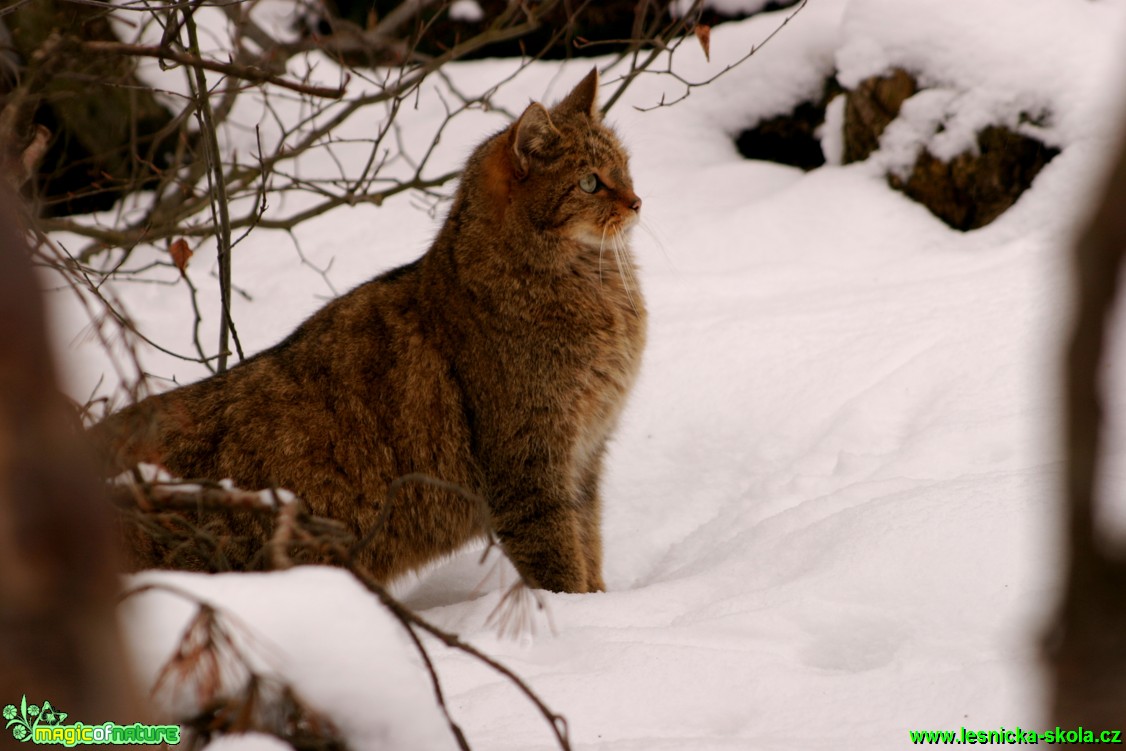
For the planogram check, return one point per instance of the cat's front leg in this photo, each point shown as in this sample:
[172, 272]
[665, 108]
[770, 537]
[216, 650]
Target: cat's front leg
[542, 534]
[590, 523]
[591, 538]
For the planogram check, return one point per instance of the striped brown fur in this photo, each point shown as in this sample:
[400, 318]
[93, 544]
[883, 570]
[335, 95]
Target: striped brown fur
[498, 361]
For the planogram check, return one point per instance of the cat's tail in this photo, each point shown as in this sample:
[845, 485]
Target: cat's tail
[193, 525]
[127, 438]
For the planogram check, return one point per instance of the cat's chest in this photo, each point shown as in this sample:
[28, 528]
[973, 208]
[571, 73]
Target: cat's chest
[588, 342]
[598, 314]
[575, 336]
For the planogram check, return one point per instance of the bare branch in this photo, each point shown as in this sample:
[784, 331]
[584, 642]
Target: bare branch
[250, 73]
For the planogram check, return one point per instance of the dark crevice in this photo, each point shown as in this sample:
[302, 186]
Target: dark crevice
[790, 138]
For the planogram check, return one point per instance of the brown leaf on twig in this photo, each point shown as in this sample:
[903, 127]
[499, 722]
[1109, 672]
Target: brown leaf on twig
[180, 253]
[704, 34]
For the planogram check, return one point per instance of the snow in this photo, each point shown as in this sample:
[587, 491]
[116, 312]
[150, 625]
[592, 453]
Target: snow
[986, 65]
[832, 509]
[248, 742]
[466, 10]
[309, 627]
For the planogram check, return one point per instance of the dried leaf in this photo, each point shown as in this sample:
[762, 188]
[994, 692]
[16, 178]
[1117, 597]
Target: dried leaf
[180, 253]
[704, 34]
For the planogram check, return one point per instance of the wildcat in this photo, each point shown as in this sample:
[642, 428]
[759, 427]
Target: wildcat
[499, 361]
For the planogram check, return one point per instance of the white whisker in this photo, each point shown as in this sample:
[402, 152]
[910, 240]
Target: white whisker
[657, 241]
[621, 253]
[601, 248]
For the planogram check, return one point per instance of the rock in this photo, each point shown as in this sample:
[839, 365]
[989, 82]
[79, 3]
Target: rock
[967, 192]
[972, 190]
[870, 107]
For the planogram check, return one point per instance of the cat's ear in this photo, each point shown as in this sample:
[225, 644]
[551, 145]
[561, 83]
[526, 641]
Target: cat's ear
[533, 135]
[583, 99]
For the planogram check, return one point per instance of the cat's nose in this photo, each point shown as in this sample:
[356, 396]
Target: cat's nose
[634, 202]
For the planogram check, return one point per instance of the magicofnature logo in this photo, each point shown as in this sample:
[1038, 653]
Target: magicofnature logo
[23, 721]
[44, 724]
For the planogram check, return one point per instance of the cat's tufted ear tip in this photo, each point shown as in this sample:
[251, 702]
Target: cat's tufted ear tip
[532, 135]
[583, 99]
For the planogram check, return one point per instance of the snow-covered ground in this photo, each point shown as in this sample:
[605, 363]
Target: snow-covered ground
[832, 508]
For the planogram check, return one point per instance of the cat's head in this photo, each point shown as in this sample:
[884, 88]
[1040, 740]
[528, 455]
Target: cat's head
[569, 174]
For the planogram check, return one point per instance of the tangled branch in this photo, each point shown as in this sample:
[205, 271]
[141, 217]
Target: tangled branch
[183, 519]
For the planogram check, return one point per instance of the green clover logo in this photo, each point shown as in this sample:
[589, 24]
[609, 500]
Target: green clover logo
[23, 720]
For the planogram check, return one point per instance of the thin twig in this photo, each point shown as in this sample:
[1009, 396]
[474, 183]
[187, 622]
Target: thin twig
[250, 73]
[690, 85]
[218, 192]
[557, 722]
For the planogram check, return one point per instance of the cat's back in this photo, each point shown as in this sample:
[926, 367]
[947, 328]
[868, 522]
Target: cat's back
[316, 413]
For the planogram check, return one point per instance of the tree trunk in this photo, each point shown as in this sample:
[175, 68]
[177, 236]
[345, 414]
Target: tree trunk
[1086, 649]
[58, 578]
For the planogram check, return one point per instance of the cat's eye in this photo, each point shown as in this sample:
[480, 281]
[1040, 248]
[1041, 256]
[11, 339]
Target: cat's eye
[590, 183]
